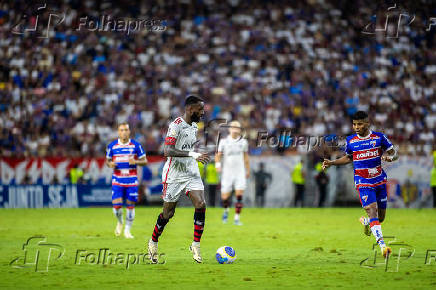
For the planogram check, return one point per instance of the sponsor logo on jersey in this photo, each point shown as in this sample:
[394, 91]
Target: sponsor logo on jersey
[366, 154]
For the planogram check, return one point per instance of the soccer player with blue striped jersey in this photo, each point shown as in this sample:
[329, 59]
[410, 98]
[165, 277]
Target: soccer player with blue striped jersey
[366, 150]
[123, 155]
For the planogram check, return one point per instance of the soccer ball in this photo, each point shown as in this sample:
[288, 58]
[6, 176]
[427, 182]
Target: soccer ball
[225, 255]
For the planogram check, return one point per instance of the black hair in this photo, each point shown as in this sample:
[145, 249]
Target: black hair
[191, 99]
[359, 115]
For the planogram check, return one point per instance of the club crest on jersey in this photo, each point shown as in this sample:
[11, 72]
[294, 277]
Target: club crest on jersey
[365, 198]
[373, 142]
[172, 133]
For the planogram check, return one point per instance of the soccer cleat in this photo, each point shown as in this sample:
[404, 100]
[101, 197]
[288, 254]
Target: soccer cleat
[237, 223]
[152, 251]
[118, 229]
[128, 235]
[386, 251]
[225, 217]
[196, 253]
[365, 223]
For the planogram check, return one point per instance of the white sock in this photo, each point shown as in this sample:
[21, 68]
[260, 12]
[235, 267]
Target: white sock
[130, 216]
[236, 216]
[196, 244]
[377, 232]
[226, 210]
[118, 212]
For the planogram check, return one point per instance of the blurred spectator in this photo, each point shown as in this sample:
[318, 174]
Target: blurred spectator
[322, 181]
[304, 65]
[262, 179]
[212, 181]
[433, 184]
[298, 179]
[76, 174]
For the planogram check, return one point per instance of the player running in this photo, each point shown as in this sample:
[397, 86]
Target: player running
[181, 175]
[365, 149]
[123, 155]
[235, 169]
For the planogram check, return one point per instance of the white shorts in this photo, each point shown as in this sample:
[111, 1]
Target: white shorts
[229, 182]
[171, 191]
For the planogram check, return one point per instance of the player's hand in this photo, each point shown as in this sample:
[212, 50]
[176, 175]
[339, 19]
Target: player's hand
[132, 161]
[386, 158]
[326, 164]
[203, 158]
[111, 164]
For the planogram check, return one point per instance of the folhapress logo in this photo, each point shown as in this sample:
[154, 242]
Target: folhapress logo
[38, 254]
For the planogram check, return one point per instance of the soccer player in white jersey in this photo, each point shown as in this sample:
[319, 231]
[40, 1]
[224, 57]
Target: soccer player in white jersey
[233, 162]
[181, 175]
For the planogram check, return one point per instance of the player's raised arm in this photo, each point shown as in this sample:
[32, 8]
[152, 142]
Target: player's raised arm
[392, 154]
[340, 161]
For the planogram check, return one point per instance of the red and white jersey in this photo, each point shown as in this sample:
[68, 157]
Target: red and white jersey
[233, 154]
[184, 137]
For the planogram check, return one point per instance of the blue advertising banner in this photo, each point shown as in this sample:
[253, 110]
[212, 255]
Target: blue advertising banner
[54, 196]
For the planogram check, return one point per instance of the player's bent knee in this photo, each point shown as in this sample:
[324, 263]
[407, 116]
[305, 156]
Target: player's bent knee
[200, 204]
[117, 201]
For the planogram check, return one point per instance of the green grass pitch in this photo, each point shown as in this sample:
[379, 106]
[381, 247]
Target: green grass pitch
[276, 248]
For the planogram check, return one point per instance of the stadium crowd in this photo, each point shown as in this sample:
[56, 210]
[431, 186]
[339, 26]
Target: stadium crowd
[304, 65]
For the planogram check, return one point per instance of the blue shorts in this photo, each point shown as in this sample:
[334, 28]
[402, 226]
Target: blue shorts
[377, 194]
[125, 192]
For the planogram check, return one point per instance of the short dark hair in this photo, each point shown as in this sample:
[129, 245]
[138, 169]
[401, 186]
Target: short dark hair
[191, 99]
[359, 115]
[122, 124]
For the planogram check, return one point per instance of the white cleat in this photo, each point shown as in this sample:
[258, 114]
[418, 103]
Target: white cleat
[118, 229]
[152, 251]
[128, 235]
[196, 253]
[237, 223]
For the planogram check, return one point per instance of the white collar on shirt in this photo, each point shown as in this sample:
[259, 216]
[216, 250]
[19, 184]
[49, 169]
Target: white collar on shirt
[121, 143]
[366, 137]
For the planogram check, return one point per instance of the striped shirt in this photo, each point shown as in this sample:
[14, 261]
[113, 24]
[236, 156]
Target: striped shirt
[366, 153]
[124, 174]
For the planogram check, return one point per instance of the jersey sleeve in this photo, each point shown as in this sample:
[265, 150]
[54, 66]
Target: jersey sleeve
[245, 146]
[109, 152]
[348, 149]
[140, 153]
[386, 143]
[172, 134]
[221, 146]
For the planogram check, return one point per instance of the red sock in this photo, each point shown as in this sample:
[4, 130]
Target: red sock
[238, 205]
[199, 218]
[159, 227]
